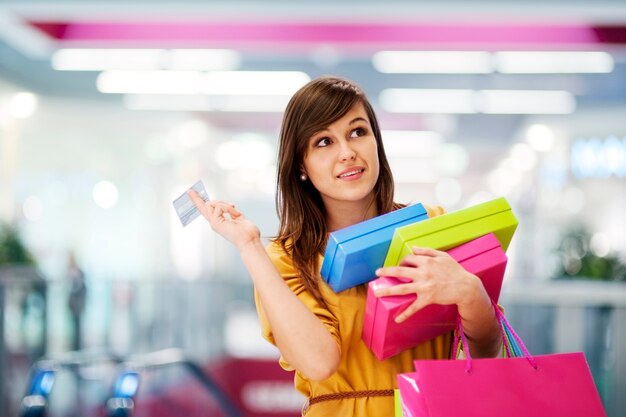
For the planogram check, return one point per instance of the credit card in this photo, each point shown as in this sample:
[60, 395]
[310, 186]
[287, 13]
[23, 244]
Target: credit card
[186, 210]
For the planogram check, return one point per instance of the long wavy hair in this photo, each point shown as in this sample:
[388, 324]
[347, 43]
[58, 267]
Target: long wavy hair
[303, 230]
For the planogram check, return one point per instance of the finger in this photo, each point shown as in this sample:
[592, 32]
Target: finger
[398, 289]
[221, 210]
[401, 271]
[426, 251]
[415, 306]
[196, 199]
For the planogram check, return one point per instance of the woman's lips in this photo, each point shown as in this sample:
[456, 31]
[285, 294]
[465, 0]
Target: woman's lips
[351, 174]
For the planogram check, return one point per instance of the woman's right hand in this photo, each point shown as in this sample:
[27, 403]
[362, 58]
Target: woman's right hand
[226, 220]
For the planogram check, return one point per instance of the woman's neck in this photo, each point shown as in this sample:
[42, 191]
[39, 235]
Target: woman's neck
[345, 214]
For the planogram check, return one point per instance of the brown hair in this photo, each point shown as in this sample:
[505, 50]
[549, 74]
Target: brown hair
[302, 232]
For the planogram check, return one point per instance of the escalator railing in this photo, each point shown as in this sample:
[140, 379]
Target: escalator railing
[43, 375]
[128, 375]
[125, 389]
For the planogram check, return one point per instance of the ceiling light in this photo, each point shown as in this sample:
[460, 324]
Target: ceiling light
[559, 62]
[249, 83]
[149, 82]
[202, 59]
[397, 100]
[526, 102]
[254, 82]
[106, 59]
[145, 59]
[433, 62]
[243, 104]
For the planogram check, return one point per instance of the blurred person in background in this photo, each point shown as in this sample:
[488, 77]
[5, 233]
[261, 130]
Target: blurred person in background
[76, 298]
[333, 173]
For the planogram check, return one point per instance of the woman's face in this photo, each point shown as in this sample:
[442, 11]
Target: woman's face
[342, 160]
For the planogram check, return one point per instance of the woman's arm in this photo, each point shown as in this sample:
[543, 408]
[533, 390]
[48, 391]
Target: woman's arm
[437, 278]
[303, 340]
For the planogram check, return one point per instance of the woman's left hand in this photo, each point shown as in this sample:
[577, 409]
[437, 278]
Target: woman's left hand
[435, 277]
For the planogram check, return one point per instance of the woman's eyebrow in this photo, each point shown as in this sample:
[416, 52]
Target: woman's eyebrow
[353, 121]
[358, 119]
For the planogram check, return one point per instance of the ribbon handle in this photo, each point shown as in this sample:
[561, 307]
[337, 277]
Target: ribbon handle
[511, 343]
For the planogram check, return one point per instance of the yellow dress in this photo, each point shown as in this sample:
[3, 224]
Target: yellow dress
[359, 369]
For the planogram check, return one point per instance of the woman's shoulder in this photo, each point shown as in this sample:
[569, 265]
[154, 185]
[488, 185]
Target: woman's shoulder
[431, 210]
[434, 211]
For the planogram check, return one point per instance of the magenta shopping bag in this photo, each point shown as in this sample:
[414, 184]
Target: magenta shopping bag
[557, 385]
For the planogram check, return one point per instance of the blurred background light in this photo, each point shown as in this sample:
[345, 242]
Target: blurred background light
[598, 158]
[523, 157]
[246, 150]
[270, 83]
[548, 62]
[453, 159]
[526, 102]
[600, 244]
[434, 62]
[240, 103]
[105, 194]
[149, 82]
[32, 208]
[480, 62]
[406, 100]
[573, 200]
[448, 192]
[411, 143]
[192, 133]
[540, 137]
[23, 105]
[78, 59]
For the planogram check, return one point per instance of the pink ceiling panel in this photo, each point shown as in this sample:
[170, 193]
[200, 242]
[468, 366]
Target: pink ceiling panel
[462, 35]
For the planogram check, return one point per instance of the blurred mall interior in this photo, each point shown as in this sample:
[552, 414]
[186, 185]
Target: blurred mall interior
[109, 110]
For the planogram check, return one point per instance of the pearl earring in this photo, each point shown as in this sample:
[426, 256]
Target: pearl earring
[303, 177]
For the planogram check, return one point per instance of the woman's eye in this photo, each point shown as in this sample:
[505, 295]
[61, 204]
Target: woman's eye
[322, 142]
[357, 132]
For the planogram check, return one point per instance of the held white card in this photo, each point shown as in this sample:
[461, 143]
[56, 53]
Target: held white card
[186, 210]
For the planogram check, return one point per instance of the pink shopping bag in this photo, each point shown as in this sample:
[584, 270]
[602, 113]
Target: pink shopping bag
[483, 257]
[557, 385]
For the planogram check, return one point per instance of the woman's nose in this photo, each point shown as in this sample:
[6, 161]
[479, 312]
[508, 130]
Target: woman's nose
[346, 152]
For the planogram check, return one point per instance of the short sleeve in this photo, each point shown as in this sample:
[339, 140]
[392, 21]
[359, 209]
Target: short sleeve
[284, 265]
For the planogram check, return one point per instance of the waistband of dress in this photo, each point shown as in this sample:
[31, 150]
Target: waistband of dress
[347, 395]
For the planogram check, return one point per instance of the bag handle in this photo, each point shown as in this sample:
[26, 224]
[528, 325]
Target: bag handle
[511, 343]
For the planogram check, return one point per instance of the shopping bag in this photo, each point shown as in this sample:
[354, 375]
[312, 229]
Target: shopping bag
[354, 253]
[556, 385]
[482, 257]
[455, 228]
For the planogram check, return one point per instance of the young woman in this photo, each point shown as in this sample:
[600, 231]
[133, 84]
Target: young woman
[332, 173]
